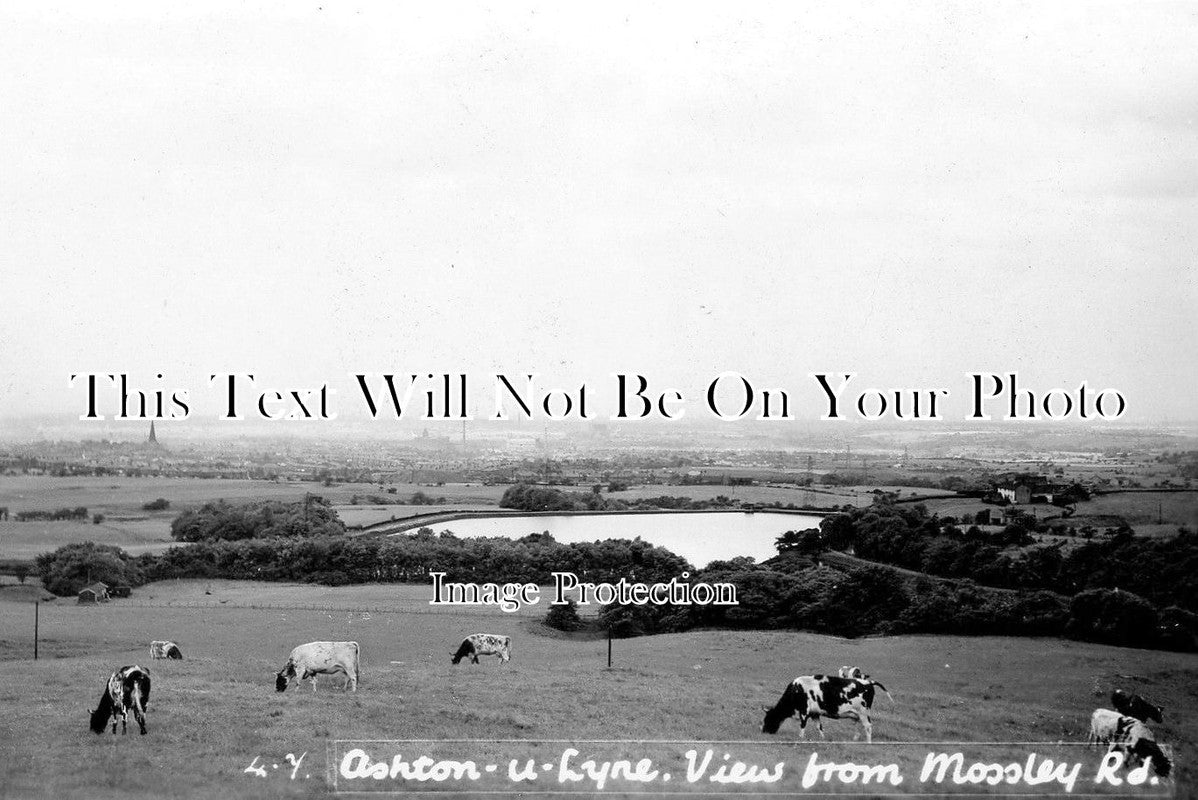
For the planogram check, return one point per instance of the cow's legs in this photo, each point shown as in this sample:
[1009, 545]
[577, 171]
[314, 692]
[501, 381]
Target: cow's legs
[863, 718]
[140, 716]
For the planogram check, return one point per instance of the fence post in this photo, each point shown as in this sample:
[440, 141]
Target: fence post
[36, 607]
[609, 648]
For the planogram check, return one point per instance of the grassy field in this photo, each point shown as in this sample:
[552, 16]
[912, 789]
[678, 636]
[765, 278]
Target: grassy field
[127, 525]
[111, 495]
[1142, 508]
[212, 714]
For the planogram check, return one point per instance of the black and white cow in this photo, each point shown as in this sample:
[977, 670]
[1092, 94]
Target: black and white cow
[128, 689]
[165, 649]
[1133, 705]
[1128, 735]
[320, 658]
[818, 696]
[484, 644]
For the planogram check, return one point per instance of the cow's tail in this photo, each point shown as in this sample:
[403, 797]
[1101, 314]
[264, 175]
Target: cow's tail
[143, 688]
[139, 696]
[357, 662]
[883, 688]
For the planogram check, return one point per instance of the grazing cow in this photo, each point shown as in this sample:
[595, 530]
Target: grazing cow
[160, 649]
[818, 696]
[1128, 735]
[1135, 706]
[484, 644]
[128, 688]
[1107, 727]
[320, 658]
[1140, 744]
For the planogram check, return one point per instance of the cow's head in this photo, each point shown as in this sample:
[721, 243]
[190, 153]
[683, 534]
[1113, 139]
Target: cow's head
[98, 719]
[1157, 713]
[773, 718]
[465, 649]
[283, 678]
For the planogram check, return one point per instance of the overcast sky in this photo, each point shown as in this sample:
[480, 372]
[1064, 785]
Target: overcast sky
[909, 191]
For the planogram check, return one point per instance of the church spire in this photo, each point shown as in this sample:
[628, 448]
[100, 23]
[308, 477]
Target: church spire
[153, 437]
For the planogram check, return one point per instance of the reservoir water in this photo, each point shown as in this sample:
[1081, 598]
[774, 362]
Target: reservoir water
[699, 537]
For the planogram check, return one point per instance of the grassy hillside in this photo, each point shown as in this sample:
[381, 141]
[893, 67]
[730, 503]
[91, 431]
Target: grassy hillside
[214, 712]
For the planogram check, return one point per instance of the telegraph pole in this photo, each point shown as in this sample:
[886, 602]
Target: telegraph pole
[36, 606]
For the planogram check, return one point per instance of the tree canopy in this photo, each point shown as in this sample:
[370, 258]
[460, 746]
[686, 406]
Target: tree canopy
[311, 517]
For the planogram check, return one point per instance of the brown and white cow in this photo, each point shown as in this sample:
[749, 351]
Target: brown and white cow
[819, 696]
[320, 658]
[128, 689]
[165, 649]
[484, 644]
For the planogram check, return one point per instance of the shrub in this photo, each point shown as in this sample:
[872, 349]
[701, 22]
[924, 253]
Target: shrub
[311, 517]
[1113, 616]
[1178, 629]
[564, 617]
[71, 567]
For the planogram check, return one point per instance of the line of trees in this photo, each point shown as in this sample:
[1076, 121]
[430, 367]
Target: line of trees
[410, 558]
[78, 513]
